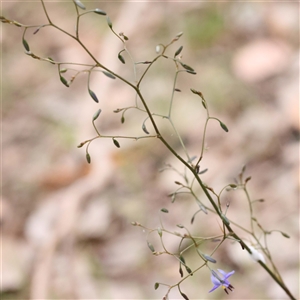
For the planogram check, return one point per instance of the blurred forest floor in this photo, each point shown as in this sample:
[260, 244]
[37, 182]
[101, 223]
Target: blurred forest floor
[66, 225]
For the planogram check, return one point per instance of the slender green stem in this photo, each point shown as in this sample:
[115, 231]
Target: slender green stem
[173, 91]
[46, 12]
[129, 54]
[187, 276]
[96, 129]
[147, 69]
[170, 115]
[180, 139]
[77, 24]
[250, 208]
[203, 141]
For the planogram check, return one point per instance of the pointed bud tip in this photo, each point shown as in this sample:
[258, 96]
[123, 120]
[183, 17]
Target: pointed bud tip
[96, 115]
[79, 4]
[100, 12]
[93, 95]
[88, 158]
[116, 143]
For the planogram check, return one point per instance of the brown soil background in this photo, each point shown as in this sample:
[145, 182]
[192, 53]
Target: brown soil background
[66, 225]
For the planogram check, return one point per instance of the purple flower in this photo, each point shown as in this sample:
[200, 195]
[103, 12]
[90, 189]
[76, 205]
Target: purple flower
[221, 280]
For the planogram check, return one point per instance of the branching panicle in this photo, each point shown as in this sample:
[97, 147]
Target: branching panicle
[213, 202]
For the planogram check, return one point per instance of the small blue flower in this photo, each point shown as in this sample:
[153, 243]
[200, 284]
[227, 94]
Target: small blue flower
[221, 280]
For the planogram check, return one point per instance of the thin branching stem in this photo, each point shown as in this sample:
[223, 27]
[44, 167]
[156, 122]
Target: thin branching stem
[250, 208]
[227, 230]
